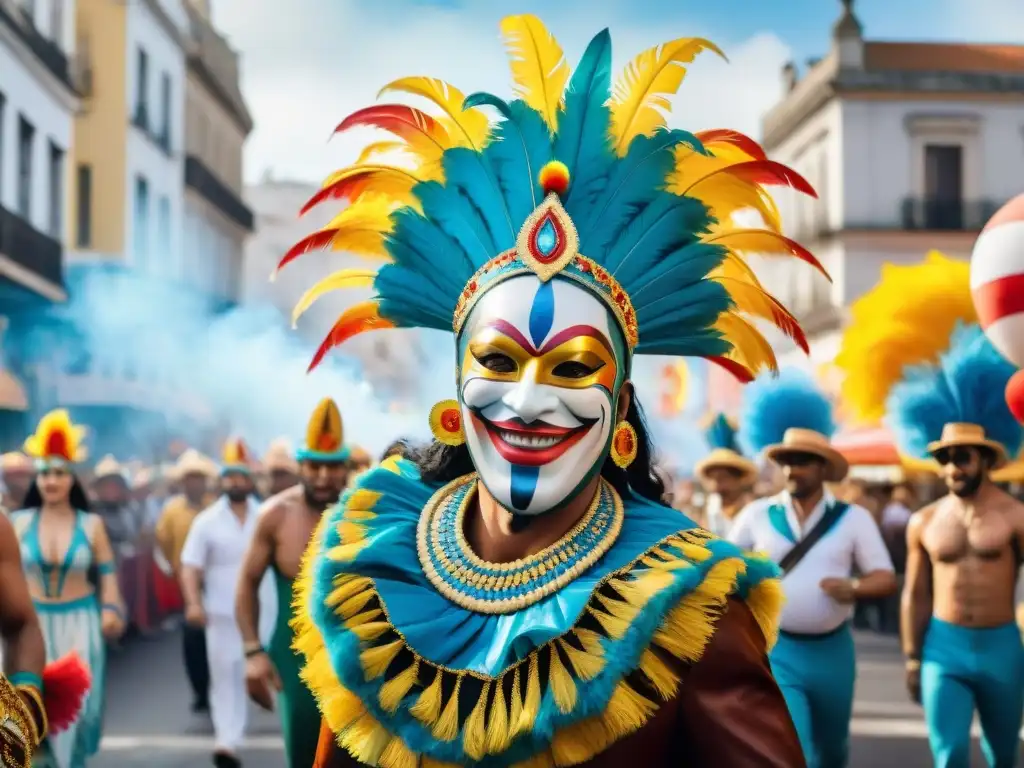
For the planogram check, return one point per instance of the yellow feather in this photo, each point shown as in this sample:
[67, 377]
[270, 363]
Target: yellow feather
[749, 348]
[374, 178]
[735, 267]
[361, 227]
[539, 68]
[467, 128]
[906, 319]
[754, 300]
[725, 195]
[378, 148]
[640, 95]
[764, 242]
[343, 278]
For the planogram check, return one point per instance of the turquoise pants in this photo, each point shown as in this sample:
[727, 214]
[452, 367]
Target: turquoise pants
[964, 669]
[816, 674]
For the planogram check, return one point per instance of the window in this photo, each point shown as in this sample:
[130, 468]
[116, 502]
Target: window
[29, 6]
[142, 90]
[141, 225]
[26, 139]
[56, 191]
[943, 186]
[57, 22]
[3, 113]
[163, 233]
[84, 215]
[165, 111]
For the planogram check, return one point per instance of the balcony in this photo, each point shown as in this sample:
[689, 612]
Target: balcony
[30, 249]
[205, 183]
[48, 52]
[928, 214]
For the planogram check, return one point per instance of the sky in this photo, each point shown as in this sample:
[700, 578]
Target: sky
[307, 68]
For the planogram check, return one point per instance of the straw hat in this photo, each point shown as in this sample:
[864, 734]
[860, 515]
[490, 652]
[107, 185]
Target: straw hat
[965, 435]
[109, 467]
[723, 457]
[280, 456]
[14, 462]
[192, 462]
[797, 440]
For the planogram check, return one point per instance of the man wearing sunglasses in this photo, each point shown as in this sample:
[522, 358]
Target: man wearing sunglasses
[962, 644]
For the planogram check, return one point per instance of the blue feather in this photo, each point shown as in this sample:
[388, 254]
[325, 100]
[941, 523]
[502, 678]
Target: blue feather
[694, 342]
[467, 172]
[422, 247]
[404, 301]
[771, 405]
[666, 224]
[447, 207]
[721, 433]
[698, 306]
[583, 142]
[520, 148]
[967, 385]
[677, 272]
[635, 180]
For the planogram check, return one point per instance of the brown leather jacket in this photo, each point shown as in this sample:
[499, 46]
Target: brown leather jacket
[729, 713]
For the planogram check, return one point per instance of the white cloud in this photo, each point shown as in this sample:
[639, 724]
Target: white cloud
[304, 71]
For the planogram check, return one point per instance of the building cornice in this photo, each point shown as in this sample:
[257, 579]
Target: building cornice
[179, 35]
[236, 110]
[16, 35]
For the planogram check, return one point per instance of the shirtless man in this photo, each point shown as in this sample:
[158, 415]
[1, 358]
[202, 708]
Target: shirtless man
[287, 522]
[962, 645]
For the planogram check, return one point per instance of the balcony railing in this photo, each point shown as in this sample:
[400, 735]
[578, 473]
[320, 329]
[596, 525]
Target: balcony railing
[202, 180]
[30, 248]
[946, 215]
[48, 52]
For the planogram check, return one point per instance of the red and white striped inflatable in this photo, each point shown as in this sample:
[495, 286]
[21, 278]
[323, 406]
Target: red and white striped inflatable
[997, 286]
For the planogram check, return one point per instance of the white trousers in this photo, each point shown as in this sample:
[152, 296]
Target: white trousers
[229, 703]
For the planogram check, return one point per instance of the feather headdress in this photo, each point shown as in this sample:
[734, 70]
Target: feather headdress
[720, 432]
[578, 178]
[965, 386]
[236, 455]
[57, 438]
[772, 405]
[906, 319]
[325, 435]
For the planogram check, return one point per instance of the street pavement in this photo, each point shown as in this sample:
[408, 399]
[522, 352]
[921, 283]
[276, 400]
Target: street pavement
[148, 722]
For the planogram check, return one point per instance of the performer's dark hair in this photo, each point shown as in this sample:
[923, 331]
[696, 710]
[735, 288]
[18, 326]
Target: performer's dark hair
[77, 499]
[439, 463]
[401, 448]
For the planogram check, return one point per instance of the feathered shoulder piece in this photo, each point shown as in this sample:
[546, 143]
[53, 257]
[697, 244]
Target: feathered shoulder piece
[578, 179]
[907, 319]
[965, 386]
[720, 432]
[773, 404]
[57, 439]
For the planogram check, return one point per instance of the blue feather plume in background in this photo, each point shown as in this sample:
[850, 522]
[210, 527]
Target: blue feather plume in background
[721, 433]
[966, 386]
[773, 404]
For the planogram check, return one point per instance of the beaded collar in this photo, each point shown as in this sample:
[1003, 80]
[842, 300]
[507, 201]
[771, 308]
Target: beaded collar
[499, 588]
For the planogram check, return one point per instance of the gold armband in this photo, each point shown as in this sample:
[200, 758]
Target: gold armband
[16, 728]
[913, 664]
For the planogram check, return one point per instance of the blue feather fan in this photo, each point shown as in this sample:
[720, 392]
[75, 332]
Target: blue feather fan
[771, 405]
[966, 386]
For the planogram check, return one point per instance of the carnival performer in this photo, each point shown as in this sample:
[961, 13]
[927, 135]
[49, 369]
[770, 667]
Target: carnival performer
[194, 473]
[517, 592]
[211, 562]
[285, 527]
[61, 543]
[727, 476]
[817, 541]
[281, 467]
[962, 644]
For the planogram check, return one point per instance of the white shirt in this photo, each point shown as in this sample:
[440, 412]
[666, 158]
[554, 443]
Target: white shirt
[895, 515]
[853, 540]
[716, 522]
[216, 545]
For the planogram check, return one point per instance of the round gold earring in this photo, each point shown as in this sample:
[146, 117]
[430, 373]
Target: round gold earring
[446, 423]
[624, 444]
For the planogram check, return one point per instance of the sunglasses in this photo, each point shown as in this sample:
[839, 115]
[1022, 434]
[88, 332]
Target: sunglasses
[797, 459]
[958, 457]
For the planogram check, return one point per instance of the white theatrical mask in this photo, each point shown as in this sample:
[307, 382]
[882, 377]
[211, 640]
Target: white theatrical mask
[541, 368]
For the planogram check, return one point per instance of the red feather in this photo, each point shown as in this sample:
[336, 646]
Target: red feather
[788, 324]
[315, 242]
[398, 119]
[352, 181]
[770, 173]
[356, 319]
[57, 445]
[65, 685]
[726, 136]
[739, 371]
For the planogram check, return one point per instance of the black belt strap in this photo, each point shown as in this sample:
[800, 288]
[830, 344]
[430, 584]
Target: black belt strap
[802, 547]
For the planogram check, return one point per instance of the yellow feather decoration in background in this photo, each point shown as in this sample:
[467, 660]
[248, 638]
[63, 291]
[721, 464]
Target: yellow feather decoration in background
[467, 128]
[640, 94]
[539, 68]
[906, 319]
[343, 278]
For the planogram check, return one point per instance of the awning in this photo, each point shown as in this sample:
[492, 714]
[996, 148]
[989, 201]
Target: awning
[12, 393]
[872, 446]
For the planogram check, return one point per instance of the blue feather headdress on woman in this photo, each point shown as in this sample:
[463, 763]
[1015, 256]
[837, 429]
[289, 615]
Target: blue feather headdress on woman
[791, 400]
[965, 387]
[577, 180]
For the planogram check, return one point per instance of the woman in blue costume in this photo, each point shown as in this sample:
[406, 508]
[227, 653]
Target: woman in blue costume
[60, 543]
[516, 594]
[963, 646]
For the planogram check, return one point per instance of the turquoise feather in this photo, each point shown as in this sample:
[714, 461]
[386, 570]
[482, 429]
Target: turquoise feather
[773, 404]
[720, 433]
[966, 386]
[677, 272]
[481, 203]
[583, 143]
[448, 208]
[663, 226]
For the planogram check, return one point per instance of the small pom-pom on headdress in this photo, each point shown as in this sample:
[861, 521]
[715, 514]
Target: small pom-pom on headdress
[554, 177]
